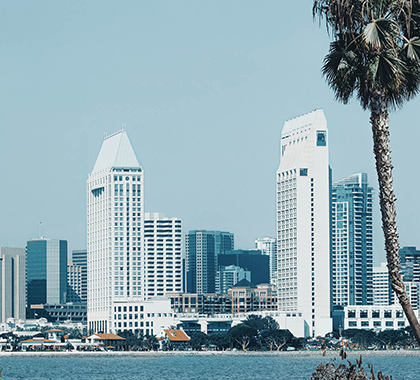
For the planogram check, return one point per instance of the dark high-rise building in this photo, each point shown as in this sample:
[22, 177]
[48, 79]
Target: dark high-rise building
[410, 264]
[46, 271]
[252, 260]
[202, 249]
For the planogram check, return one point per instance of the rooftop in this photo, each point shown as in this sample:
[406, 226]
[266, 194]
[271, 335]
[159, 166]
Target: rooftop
[116, 152]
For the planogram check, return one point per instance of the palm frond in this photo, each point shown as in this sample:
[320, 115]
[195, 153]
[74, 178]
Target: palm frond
[339, 69]
[380, 33]
[412, 48]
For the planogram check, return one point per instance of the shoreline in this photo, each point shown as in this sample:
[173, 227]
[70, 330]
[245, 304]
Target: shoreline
[309, 354]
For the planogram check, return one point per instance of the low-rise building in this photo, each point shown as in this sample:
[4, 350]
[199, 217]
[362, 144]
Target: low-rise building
[247, 297]
[374, 317]
[106, 341]
[221, 323]
[175, 339]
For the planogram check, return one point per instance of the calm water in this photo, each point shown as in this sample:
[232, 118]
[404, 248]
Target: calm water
[188, 367]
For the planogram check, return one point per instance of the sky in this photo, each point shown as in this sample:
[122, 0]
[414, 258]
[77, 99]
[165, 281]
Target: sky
[203, 88]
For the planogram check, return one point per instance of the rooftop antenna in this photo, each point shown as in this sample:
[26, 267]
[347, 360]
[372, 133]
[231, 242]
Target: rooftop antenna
[39, 229]
[123, 126]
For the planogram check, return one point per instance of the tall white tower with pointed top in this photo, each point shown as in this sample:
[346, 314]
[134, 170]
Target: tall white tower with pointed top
[303, 221]
[115, 218]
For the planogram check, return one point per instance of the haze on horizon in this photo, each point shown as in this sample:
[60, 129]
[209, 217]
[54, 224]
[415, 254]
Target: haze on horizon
[204, 89]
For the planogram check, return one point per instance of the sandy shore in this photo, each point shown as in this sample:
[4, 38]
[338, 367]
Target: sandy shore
[309, 354]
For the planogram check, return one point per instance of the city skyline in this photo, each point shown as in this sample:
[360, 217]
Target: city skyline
[191, 87]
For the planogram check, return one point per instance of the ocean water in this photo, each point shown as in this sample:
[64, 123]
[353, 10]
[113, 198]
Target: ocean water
[187, 367]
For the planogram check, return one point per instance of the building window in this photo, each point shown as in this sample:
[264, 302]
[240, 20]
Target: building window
[303, 172]
[321, 138]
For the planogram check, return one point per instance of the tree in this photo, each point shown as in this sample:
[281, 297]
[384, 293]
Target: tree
[276, 338]
[259, 323]
[375, 54]
[221, 341]
[243, 336]
[198, 340]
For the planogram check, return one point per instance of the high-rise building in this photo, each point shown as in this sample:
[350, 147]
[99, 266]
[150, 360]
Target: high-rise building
[74, 283]
[79, 258]
[410, 264]
[228, 276]
[410, 271]
[381, 285]
[352, 241]
[46, 272]
[202, 248]
[163, 254]
[115, 216]
[268, 246]
[249, 259]
[303, 221]
[12, 283]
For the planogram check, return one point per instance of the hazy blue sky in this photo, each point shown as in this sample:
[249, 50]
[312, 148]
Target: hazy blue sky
[203, 87]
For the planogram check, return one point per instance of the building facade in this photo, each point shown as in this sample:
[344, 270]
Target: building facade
[303, 221]
[352, 241]
[249, 259]
[12, 283]
[268, 246]
[46, 271]
[202, 249]
[79, 258]
[410, 264]
[375, 317]
[163, 254]
[228, 276]
[74, 283]
[381, 285]
[115, 221]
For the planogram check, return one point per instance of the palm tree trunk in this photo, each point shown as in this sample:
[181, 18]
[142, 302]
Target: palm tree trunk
[380, 128]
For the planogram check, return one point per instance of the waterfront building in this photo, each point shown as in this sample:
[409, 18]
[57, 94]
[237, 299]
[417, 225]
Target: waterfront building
[202, 249]
[12, 283]
[251, 260]
[303, 221]
[163, 254]
[61, 313]
[352, 241]
[221, 323]
[375, 317]
[46, 272]
[268, 246]
[228, 276]
[115, 221]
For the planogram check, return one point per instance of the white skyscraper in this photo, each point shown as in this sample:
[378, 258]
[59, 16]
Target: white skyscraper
[303, 221]
[268, 246]
[163, 252]
[115, 216]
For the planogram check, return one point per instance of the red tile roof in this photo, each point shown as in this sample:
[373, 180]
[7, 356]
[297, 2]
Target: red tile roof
[177, 336]
[105, 337]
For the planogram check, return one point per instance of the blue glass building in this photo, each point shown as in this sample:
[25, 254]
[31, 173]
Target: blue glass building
[202, 249]
[46, 271]
[352, 241]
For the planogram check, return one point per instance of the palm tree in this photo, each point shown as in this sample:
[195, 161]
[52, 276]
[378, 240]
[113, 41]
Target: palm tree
[375, 54]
